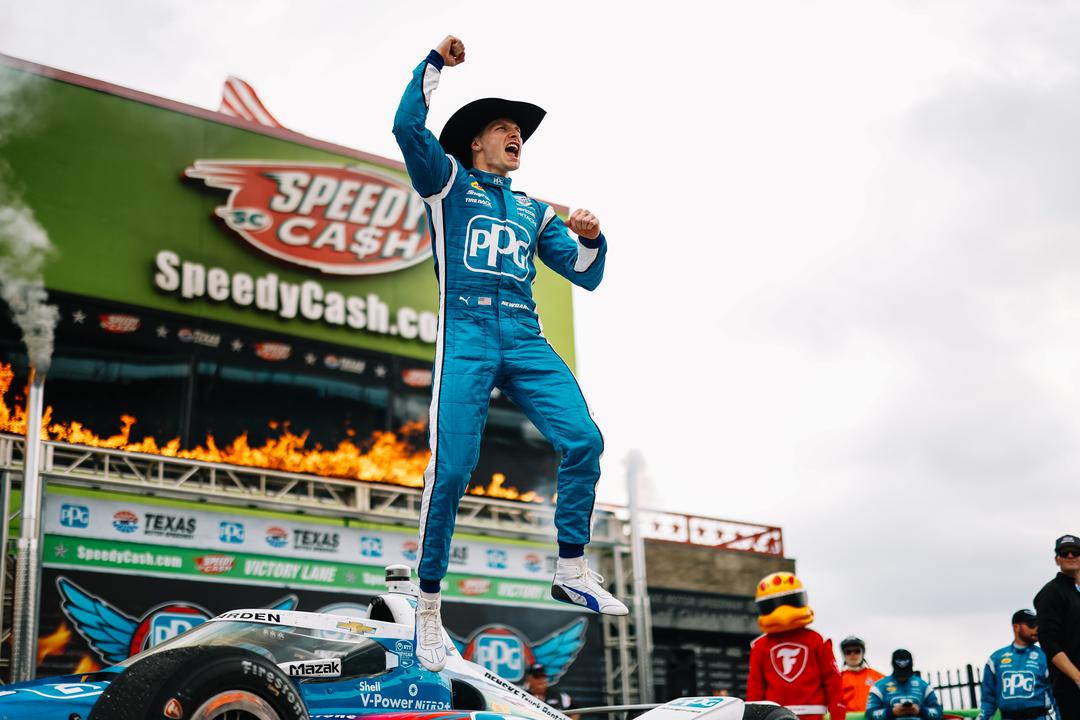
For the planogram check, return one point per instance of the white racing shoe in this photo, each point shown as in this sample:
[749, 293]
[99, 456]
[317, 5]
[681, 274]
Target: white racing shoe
[576, 584]
[430, 649]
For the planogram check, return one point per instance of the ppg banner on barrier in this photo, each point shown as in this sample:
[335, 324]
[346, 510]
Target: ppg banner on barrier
[176, 539]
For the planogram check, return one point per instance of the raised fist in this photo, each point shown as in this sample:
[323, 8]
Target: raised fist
[584, 223]
[452, 51]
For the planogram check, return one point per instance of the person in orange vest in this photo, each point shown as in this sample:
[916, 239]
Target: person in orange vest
[791, 664]
[856, 677]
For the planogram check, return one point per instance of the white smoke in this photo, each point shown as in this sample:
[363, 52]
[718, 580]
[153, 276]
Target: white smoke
[24, 244]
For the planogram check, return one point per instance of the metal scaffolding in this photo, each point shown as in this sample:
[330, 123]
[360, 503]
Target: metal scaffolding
[161, 476]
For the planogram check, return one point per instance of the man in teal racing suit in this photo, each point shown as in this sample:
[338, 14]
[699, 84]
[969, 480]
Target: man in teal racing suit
[1016, 679]
[485, 238]
[902, 694]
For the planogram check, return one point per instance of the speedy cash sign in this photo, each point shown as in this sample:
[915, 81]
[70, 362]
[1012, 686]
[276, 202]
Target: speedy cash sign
[338, 219]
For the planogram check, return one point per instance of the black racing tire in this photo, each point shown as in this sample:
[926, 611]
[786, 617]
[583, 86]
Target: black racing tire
[201, 683]
[762, 711]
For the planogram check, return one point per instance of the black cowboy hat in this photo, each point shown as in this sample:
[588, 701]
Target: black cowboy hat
[471, 119]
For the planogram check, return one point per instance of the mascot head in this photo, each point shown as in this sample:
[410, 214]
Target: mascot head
[781, 601]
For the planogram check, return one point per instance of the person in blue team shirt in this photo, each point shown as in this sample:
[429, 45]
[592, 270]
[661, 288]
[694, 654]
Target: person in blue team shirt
[903, 694]
[1016, 679]
[485, 240]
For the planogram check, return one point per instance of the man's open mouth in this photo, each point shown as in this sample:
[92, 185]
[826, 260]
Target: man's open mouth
[513, 149]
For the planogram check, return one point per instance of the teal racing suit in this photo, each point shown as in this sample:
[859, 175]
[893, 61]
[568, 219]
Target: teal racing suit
[485, 238]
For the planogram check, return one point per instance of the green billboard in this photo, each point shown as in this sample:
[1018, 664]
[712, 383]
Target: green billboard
[179, 209]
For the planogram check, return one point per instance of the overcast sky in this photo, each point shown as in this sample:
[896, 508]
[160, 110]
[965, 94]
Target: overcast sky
[843, 288]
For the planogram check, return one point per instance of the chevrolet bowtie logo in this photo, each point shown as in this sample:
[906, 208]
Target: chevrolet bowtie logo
[356, 627]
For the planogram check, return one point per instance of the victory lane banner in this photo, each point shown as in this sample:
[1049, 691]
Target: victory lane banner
[182, 526]
[86, 529]
[196, 564]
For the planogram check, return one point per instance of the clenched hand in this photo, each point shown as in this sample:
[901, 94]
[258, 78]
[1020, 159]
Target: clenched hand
[452, 51]
[584, 223]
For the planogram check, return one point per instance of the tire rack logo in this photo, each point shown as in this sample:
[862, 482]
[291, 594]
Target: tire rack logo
[125, 521]
[115, 636]
[505, 651]
[338, 219]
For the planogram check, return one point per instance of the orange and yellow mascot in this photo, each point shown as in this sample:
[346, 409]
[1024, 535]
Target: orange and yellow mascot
[791, 664]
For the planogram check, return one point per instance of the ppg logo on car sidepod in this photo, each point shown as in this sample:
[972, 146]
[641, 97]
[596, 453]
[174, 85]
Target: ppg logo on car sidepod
[487, 239]
[231, 532]
[503, 654]
[167, 625]
[370, 547]
[74, 516]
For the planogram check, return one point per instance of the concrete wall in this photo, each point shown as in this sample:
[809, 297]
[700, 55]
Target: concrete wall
[700, 569]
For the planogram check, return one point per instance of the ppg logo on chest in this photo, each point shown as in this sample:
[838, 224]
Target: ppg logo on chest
[497, 247]
[1018, 684]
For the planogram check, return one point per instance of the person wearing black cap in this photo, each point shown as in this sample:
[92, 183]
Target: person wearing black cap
[1016, 679]
[1058, 608]
[485, 239]
[536, 684]
[903, 694]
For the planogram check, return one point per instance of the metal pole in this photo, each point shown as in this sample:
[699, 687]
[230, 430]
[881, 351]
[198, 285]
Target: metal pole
[635, 465]
[5, 521]
[27, 598]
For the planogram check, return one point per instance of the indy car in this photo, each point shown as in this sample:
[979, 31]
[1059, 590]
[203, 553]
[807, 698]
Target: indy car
[266, 664]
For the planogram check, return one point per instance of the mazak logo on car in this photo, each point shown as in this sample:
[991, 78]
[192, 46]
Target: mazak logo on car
[231, 532]
[338, 219]
[74, 516]
[118, 323]
[496, 559]
[125, 521]
[276, 537]
[370, 547]
[167, 525]
[316, 540]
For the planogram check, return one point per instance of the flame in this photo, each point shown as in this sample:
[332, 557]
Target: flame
[86, 665]
[387, 457]
[53, 644]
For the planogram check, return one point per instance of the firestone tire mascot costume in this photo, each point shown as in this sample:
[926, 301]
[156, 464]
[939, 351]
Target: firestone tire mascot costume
[791, 664]
[486, 237]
